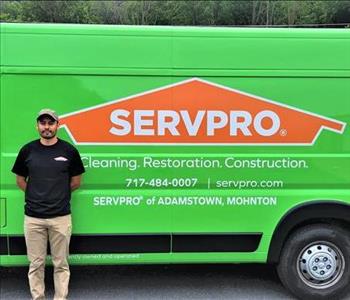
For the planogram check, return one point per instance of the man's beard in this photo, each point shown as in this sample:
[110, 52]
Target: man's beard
[48, 134]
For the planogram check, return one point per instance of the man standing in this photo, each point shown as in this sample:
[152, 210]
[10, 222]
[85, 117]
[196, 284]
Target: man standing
[48, 170]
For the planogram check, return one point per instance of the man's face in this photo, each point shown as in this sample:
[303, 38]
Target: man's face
[47, 127]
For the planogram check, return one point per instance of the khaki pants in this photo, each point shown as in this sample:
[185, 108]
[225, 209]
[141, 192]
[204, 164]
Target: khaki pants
[37, 232]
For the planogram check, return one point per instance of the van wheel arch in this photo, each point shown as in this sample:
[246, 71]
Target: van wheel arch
[328, 212]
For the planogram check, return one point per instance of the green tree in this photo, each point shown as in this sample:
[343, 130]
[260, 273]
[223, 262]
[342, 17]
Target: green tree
[142, 12]
[107, 12]
[11, 11]
[57, 11]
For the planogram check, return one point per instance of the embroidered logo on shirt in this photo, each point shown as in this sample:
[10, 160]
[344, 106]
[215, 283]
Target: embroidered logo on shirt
[60, 158]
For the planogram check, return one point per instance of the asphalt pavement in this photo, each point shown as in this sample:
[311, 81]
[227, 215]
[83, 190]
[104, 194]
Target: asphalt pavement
[217, 281]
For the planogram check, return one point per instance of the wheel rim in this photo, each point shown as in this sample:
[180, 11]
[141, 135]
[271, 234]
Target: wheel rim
[321, 265]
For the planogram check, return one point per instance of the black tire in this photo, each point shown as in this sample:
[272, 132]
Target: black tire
[308, 252]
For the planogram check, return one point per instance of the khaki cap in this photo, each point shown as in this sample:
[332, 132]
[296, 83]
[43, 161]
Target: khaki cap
[47, 112]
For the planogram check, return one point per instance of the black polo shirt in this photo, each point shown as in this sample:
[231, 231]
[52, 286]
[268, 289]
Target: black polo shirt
[48, 170]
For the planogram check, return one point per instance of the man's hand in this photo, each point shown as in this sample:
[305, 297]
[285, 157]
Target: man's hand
[75, 182]
[21, 182]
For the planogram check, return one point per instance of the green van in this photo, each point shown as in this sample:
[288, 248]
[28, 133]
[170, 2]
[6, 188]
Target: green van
[201, 145]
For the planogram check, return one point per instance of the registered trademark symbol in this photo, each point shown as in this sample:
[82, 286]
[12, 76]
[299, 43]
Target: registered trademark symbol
[283, 132]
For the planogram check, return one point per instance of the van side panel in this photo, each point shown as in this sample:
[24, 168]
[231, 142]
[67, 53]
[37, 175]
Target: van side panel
[170, 203]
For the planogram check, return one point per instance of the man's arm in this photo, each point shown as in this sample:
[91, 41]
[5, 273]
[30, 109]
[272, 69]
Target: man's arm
[75, 182]
[21, 182]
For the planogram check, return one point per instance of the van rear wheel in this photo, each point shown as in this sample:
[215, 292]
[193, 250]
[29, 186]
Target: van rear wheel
[315, 262]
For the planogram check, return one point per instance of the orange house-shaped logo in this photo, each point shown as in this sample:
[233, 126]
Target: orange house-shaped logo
[195, 112]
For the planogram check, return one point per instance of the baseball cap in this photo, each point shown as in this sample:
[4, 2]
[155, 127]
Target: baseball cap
[47, 112]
